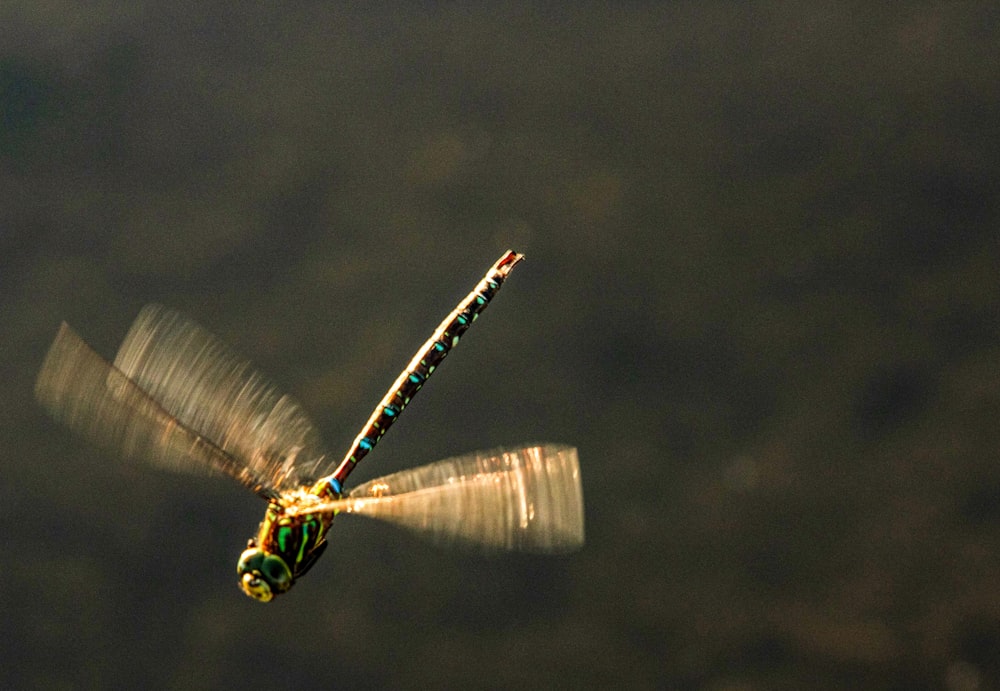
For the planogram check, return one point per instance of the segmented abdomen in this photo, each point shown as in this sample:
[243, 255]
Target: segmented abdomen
[427, 359]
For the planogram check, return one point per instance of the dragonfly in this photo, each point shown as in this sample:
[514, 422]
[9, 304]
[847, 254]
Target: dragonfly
[177, 397]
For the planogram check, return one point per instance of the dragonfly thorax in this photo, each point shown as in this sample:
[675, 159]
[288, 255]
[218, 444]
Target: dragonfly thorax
[286, 547]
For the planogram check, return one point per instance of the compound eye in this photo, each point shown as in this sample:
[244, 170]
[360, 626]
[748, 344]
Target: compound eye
[277, 573]
[250, 561]
[256, 588]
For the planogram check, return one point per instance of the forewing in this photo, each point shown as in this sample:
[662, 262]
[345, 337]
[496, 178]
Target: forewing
[205, 385]
[526, 499]
[93, 398]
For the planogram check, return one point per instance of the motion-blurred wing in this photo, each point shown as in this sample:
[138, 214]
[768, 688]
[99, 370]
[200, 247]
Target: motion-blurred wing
[210, 389]
[85, 392]
[526, 499]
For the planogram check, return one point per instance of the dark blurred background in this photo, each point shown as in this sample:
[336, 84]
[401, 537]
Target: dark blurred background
[761, 297]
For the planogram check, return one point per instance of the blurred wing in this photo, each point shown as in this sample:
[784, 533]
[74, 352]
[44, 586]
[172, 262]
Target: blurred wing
[526, 499]
[85, 392]
[210, 389]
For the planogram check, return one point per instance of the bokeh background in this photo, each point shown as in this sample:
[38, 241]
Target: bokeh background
[761, 297]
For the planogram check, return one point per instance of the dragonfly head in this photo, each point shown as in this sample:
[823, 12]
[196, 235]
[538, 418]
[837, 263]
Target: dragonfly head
[263, 575]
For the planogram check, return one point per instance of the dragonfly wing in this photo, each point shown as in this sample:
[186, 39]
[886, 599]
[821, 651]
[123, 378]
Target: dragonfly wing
[526, 499]
[95, 399]
[210, 389]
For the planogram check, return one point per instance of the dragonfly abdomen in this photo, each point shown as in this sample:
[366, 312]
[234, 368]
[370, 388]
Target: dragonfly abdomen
[328, 488]
[427, 359]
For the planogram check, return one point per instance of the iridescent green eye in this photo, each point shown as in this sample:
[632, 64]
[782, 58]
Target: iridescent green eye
[276, 571]
[263, 575]
[250, 561]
